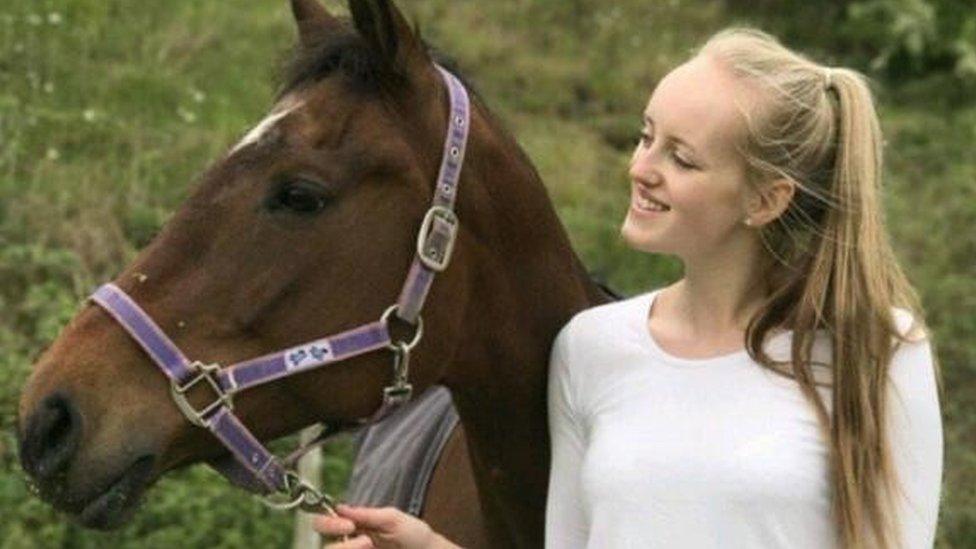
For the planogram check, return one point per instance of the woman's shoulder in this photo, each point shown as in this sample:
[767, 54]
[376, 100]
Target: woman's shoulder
[615, 309]
[906, 324]
[608, 317]
[914, 356]
[590, 341]
[909, 325]
[599, 333]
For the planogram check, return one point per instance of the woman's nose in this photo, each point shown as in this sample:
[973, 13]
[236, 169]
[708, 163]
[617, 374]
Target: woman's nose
[646, 172]
[643, 166]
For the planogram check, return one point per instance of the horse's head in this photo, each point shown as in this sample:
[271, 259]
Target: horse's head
[305, 228]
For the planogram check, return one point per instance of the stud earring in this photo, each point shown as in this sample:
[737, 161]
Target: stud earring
[748, 222]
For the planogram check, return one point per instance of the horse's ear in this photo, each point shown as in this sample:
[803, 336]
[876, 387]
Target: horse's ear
[386, 31]
[312, 19]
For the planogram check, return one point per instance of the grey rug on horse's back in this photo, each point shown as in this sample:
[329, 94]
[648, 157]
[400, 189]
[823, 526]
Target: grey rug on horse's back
[395, 458]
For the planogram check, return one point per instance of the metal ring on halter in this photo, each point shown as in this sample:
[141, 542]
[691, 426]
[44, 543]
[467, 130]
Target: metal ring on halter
[303, 495]
[314, 501]
[281, 505]
[394, 346]
[292, 482]
[307, 498]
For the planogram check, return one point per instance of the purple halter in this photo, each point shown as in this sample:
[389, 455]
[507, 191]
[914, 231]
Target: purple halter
[435, 242]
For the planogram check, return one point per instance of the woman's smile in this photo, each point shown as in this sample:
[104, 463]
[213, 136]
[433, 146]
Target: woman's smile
[642, 202]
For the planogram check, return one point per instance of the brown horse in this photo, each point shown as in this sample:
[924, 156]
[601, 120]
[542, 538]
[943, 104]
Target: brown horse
[307, 228]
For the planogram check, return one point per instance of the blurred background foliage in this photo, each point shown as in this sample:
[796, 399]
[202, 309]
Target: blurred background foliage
[108, 108]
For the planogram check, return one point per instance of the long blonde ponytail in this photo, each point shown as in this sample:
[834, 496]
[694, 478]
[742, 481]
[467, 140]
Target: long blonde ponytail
[830, 263]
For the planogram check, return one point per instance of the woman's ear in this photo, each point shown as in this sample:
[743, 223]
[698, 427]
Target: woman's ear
[768, 203]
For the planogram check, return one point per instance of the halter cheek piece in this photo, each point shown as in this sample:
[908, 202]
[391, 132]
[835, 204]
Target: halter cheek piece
[435, 242]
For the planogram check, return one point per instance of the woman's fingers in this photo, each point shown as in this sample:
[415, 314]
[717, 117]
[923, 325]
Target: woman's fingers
[333, 526]
[385, 519]
[358, 542]
[386, 528]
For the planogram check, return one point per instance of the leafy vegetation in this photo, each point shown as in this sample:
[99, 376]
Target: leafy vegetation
[108, 109]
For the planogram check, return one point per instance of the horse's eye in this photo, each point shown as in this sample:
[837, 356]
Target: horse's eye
[301, 197]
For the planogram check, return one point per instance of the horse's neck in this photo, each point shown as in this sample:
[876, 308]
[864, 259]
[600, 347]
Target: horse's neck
[524, 283]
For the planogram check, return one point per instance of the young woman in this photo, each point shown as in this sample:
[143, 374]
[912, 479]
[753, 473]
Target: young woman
[783, 393]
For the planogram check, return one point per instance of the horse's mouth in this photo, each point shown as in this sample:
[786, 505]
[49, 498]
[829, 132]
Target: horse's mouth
[115, 505]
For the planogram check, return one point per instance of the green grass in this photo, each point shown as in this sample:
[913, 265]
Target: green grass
[108, 109]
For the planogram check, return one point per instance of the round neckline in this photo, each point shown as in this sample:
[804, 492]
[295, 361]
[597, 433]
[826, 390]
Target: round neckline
[651, 344]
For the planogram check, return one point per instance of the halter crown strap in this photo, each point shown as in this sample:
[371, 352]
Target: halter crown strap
[435, 243]
[440, 226]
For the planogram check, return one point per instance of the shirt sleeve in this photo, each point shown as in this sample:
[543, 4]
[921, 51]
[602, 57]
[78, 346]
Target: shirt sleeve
[566, 525]
[915, 424]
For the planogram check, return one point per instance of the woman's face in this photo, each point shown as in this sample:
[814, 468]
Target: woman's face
[687, 161]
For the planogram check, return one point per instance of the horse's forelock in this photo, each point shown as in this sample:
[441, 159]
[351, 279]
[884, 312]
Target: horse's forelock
[344, 52]
[347, 52]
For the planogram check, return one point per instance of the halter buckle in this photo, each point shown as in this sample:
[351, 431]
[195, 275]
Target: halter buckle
[435, 241]
[208, 373]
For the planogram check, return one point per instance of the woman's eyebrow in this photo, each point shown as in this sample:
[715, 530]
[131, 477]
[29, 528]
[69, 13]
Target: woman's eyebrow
[650, 121]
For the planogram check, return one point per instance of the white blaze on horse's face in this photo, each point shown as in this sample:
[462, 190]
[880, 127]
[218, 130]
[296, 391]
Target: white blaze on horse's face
[282, 109]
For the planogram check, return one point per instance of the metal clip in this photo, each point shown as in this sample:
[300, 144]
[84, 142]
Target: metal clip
[300, 494]
[208, 373]
[401, 391]
[434, 249]
[314, 501]
[395, 395]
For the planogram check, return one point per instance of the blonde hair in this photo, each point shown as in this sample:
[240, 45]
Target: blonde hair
[830, 265]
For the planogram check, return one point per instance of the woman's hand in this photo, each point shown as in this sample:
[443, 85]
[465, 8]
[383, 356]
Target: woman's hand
[385, 528]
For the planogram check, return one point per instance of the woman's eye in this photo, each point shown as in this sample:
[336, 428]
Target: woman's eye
[682, 163]
[300, 197]
[644, 138]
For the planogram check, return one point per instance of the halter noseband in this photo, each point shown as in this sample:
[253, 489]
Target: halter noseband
[435, 242]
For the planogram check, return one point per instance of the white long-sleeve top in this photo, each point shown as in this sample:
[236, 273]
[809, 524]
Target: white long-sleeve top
[653, 450]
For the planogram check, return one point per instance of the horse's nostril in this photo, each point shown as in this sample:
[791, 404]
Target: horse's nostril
[52, 437]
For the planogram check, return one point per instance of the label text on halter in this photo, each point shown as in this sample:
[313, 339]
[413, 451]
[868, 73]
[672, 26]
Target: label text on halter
[314, 352]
